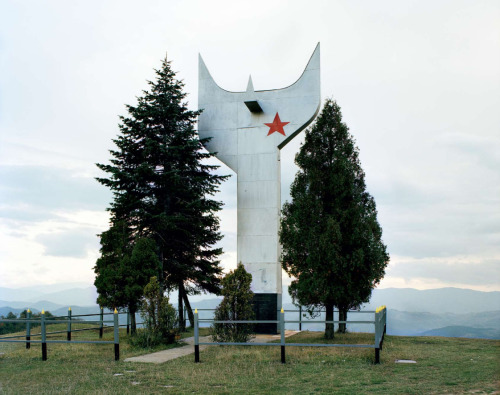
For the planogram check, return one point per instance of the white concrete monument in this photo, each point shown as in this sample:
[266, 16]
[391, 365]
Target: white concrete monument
[247, 131]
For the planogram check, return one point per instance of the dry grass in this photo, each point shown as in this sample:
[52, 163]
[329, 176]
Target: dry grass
[443, 366]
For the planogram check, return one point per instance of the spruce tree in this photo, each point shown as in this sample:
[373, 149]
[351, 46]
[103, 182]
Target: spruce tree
[162, 187]
[332, 241]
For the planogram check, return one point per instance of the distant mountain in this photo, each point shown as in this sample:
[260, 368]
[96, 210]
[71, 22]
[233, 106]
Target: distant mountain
[464, 331]
[410, 312]
[437, 301]
[42, 305]
[29, 297]
[34, 293]
[442, 300]
[7, 309]
[406, 323]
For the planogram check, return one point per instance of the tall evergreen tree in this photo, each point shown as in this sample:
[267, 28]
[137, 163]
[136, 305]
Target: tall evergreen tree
[162, 187]
[332, 241]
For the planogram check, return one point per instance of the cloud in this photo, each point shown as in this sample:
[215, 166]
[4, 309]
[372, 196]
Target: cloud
[38, 191]
[465, 270]
[417, 82]
[71, 243]
[63, 248]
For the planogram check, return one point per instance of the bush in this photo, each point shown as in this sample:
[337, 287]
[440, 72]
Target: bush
[236, 306]
[159, 318]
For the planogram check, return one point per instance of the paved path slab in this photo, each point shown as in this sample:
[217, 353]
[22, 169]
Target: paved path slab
[173, 353]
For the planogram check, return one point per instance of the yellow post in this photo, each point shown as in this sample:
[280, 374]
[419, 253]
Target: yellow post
[68, 329]
[44, 337]
[28, 328]
[101, 318]
[282, 330]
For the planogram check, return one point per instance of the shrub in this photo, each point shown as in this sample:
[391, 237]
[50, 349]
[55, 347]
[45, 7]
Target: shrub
[159, 318]
[236, 306]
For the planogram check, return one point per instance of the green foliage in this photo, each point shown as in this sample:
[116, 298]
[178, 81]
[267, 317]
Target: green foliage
[332, 242]
[12, 327]
[235, 306]
[162, 184]
[159, 317]
[124, 268]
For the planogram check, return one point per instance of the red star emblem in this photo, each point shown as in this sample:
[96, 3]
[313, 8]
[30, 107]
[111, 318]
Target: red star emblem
[276, 126]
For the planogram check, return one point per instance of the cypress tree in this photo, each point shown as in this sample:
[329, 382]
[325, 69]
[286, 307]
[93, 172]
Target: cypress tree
[332, 241]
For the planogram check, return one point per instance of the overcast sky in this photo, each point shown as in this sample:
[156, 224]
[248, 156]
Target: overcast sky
[418, 83]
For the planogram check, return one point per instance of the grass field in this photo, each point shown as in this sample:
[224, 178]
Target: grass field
[444, 365]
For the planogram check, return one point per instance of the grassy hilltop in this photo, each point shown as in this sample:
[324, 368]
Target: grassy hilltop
[444, 365]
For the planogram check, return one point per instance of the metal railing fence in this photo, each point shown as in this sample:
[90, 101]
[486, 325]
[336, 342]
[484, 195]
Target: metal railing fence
[303, 319]
[43, 321]
[380, 323]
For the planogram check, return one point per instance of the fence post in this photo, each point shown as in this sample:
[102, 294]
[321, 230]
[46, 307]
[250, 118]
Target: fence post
[383, 327]
[379, 330]
[68, 330]
[44, 337]
[282, 326]
[116, 336]
[196, 338]
[100, 323]
[128, 321]
[28, 329]
[300, 317]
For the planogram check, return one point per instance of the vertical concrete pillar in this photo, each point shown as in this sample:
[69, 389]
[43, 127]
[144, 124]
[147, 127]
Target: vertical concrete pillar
[247, 130]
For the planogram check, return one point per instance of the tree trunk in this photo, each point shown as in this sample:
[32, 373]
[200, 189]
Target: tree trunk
[161, 275]
[342, 317]
[329, 328]
[182, 325]
[188, 307]
[133, 325]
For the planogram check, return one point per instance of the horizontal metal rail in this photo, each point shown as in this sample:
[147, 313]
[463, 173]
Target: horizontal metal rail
[49, 321]
[305, 311]
[242, 322]
[329, 322]
[59, 341]
[330, 345]
[287, 344]
[72, 330]
[379, 322]
[286, 322]
[43, 322]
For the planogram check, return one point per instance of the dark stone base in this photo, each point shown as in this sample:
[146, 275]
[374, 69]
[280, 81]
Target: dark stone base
[265, 307]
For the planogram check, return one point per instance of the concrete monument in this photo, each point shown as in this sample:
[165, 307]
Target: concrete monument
[247, 131]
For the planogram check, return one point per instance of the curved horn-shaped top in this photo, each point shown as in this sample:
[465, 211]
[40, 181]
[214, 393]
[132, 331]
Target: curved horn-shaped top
[232, 119]
[206, 79]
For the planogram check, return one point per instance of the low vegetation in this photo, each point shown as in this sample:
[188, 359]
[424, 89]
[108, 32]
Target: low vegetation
[11, 327]
[236, 306]
[159, 317]
[444, 365]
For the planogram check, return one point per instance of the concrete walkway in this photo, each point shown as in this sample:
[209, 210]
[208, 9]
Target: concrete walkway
[173, 353]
